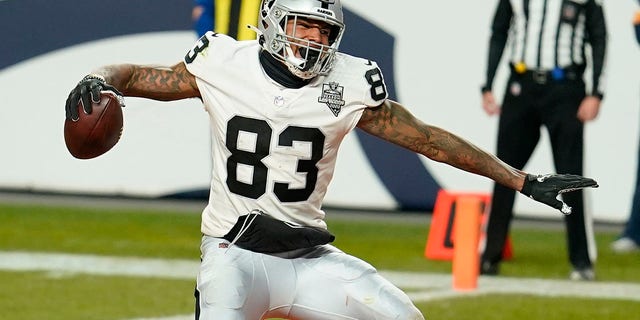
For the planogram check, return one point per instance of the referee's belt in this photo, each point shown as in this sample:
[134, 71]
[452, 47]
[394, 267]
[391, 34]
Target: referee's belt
[544, 76]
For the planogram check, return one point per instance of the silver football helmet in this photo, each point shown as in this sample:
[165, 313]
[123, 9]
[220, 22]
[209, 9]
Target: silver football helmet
[315, 58]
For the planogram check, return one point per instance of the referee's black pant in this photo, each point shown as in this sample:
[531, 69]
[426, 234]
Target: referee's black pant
[532, 101]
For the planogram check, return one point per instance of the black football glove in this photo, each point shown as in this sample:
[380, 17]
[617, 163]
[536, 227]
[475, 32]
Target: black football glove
[546, 188]
[86, 91]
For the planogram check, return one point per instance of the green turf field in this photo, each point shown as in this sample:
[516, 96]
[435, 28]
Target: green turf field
[539, 253]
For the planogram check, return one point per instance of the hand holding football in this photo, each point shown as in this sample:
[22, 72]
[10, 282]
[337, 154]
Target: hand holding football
[95, 133]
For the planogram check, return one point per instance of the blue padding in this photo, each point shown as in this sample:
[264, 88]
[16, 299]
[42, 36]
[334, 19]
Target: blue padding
[33, 27]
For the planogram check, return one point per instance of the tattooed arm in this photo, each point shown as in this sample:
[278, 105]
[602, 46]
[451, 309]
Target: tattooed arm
[392, 122]
[153, 82]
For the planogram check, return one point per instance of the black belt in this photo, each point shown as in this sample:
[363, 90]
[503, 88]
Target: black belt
[544, 76]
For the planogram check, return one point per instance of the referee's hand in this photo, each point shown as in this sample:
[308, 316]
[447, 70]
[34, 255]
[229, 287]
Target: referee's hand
[489, 103]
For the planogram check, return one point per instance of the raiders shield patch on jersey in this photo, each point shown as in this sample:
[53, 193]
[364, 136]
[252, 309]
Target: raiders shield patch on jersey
[332, 97]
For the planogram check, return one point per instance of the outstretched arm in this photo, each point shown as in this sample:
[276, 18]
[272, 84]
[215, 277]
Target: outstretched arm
[153, 82]
[392, 122]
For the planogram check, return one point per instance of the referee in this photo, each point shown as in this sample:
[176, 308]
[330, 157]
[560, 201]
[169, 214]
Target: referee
[549, 41]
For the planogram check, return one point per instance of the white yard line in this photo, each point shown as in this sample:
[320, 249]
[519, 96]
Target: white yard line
[101, 265]
[439, 286]
[420, 286]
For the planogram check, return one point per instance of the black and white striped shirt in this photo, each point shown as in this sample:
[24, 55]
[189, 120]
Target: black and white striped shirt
[548, 34]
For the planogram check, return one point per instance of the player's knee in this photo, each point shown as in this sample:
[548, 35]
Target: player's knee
[380, 299]
[411, 313]
[399, 304]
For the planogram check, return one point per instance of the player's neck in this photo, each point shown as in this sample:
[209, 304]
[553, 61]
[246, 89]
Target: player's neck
[278, 72]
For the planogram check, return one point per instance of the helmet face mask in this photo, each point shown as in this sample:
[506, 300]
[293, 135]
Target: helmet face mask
[313, 58]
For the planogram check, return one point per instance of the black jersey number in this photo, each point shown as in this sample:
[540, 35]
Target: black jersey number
[378, 89]
[263, 132]
[202, 44]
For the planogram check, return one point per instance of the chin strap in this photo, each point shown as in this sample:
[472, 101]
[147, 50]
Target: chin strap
[291, 57]
[254, 29]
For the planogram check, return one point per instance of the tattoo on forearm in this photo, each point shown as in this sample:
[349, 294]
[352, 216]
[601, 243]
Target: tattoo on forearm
[395, 124]
[398, 126]
[162, 83]
[162, 80]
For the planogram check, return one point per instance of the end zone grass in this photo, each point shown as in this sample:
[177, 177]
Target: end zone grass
[387, 245]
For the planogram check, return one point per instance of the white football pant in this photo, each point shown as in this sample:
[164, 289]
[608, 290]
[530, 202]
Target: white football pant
[321, 283]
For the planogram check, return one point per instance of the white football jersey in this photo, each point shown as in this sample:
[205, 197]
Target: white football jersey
[273, 148]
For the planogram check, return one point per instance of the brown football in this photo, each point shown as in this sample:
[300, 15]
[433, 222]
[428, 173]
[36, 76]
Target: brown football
[96, 133]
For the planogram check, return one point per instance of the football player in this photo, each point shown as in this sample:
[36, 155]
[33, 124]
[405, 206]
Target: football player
[279, 107]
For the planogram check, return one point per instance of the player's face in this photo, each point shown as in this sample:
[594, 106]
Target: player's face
[309, 30]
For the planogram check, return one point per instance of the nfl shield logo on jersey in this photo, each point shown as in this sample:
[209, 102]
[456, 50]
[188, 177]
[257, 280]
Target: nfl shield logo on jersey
[332, 96]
